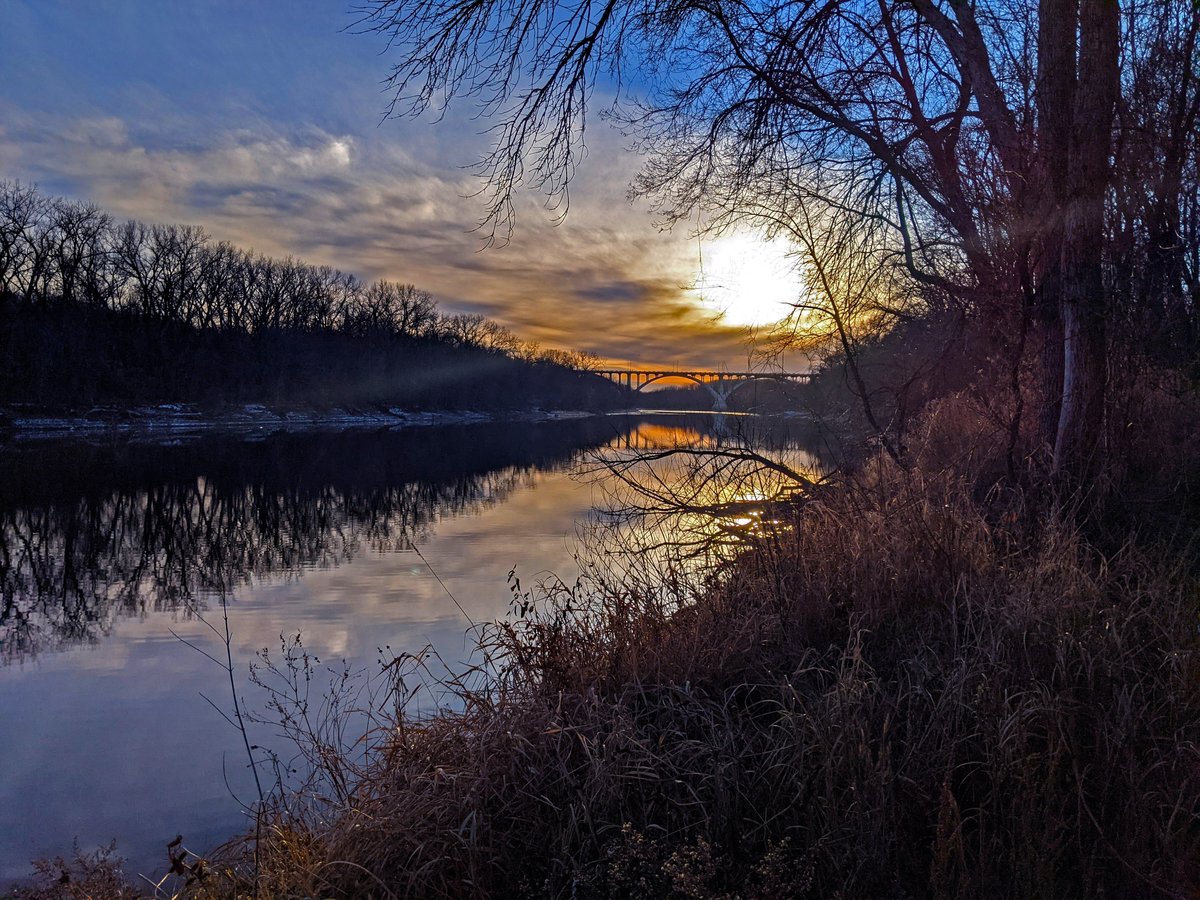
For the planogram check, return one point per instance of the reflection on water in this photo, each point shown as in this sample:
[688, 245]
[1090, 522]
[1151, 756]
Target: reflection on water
[89, 534]
[106, 549]
[702, 488]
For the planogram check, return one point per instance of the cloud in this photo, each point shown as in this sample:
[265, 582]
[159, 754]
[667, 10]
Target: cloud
[382, 206]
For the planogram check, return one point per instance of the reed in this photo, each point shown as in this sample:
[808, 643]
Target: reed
[934, 682]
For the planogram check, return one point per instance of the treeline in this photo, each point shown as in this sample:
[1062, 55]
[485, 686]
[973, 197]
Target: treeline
[93, 310]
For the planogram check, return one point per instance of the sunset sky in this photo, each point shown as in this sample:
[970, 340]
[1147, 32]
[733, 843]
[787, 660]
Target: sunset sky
[261, 121]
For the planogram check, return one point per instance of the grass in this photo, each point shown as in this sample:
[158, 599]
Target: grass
[935, 682]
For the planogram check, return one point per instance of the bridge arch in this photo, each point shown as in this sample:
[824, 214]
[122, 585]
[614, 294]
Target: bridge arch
[736, 384]
[720, 385]
[662, 376]
[720, 389]
[719, 399]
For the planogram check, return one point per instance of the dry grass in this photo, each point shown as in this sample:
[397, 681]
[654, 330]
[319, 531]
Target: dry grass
[85, 876]
[930, 685]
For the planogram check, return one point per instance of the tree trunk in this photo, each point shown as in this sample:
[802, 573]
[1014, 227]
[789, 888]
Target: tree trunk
[1055, 109]
[1077, 449]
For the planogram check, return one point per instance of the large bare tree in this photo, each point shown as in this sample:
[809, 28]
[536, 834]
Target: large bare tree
[972, 138]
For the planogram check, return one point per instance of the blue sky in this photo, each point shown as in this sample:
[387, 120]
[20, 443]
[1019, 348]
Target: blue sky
[261, 121]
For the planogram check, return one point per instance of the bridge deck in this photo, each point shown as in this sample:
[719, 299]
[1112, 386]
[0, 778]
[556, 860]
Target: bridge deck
[644, 376]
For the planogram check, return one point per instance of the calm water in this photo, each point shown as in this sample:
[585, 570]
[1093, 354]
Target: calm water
[108, 551]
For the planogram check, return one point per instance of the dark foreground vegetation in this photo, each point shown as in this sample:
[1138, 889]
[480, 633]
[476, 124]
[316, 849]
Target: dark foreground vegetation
[93, 311]
[929, 682]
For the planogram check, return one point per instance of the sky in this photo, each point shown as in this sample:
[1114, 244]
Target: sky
[263, 122]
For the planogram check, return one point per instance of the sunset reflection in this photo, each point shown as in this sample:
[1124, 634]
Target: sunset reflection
[679, 488]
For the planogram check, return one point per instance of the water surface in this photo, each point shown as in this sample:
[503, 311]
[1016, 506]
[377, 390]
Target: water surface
[114, 554]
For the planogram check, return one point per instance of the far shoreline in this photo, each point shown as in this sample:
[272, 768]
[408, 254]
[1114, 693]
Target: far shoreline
[27, 422]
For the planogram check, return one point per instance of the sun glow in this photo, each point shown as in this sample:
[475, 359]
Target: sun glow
[748, 279]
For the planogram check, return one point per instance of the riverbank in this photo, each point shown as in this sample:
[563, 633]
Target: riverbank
[177, 419]
[114, 543]
[934, 681]
[931, 680]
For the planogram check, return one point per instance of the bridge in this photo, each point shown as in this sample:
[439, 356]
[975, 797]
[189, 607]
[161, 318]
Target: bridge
[721, 385]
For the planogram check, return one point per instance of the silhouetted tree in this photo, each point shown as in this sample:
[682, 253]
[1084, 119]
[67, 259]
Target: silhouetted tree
[20, 209]
[387, 307]
[474, 330]
[970, 143]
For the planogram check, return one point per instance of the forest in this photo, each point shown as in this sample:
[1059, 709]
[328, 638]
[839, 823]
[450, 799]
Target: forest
[99, 312]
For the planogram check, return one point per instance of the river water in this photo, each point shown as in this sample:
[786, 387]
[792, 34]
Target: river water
[114, 554]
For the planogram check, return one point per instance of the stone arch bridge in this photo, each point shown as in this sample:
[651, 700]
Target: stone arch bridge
[720, 385]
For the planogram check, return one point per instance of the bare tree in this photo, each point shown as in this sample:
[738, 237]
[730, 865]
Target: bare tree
[474, 330]
[1085, 305]
[1153, 228]
[406, 310]
[79, 251]
[25, 243]
[953, 128]
[20, 209]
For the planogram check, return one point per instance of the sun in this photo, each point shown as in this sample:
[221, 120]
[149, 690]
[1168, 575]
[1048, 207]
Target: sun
[748, 279]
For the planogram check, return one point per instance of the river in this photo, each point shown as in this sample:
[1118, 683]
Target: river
[115, 552]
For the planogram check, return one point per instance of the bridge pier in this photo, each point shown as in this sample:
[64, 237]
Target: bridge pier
[720, 396]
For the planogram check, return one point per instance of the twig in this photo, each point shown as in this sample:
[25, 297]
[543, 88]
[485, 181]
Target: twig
[433, 572]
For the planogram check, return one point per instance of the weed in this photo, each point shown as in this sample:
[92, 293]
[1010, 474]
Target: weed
[931, 681]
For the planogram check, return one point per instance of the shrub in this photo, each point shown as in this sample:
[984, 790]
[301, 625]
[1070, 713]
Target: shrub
[930, 682]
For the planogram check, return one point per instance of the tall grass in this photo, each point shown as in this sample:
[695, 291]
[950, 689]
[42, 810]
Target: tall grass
[935, 682]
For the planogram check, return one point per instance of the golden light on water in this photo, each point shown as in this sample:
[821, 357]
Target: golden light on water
[748, 279]
[697, 492]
